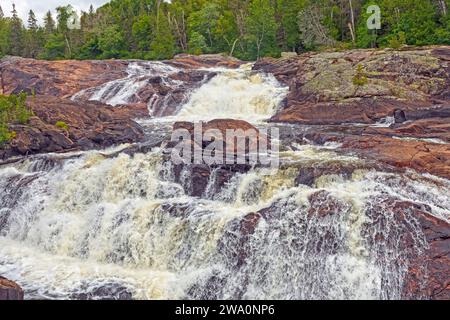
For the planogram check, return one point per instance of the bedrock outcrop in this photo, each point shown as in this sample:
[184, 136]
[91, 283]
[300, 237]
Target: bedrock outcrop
[323, 89]
[161, 87]
[86, 126]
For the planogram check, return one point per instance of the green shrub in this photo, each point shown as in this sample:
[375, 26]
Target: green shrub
[62, 125]
[13, 110]
[360, 78]
[397, 41]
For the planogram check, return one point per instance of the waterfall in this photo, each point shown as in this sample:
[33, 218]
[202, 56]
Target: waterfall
[237, 94]
[97, 221]
[125, 91]
[107, 224]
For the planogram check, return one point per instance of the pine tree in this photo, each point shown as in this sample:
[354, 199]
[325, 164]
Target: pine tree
[4, 35]
[32, 21]
[49, 23]
[33, 36]
[16, 34]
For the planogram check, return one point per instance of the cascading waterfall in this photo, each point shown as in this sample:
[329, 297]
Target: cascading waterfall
[122, 222]
[236, 94]
[124, 91]
[102, 224]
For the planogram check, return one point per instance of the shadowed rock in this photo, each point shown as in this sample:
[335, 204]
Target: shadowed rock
[10, 290]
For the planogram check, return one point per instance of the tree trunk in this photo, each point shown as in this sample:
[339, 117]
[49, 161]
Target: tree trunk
[352, 26]
[233, 47]
[68, 46]
[443, 7]
[352, 33]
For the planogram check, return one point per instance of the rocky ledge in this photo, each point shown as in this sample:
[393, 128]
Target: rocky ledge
[361, 86]
[10, 290]
[67, 77]
[82, 126]
[408, 90]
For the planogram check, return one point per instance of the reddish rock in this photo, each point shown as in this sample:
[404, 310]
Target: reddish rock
[56, 78]
[161, 95]
[434, 128]
[388, 149]
[421, 156]
[222, 125]
[90, 125]
[10, 290]
[323, 204]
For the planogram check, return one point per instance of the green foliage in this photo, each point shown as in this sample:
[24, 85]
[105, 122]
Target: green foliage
[412, 22]
[250, 29]
[163, 44]
[197, 44]
[111, 43]
[397, 41]
[142, 32]
[13, 109]
[62, 125]
[360, 78]
[262, 29]
[55, 47]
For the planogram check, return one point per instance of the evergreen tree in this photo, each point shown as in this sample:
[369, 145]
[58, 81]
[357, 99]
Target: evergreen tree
[33, 43]
[4, 35]
[247, 29]
[16, 34]
[49, 23]
[32, 21]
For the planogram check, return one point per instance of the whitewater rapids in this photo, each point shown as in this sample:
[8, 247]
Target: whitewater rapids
[101, 225]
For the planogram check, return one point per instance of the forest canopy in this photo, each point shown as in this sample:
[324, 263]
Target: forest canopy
[246, 29]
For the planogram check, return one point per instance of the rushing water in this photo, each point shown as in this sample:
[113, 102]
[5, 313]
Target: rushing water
[235, 94]
[103, 224]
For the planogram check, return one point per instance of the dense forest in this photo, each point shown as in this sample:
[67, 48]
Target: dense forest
[246, 29]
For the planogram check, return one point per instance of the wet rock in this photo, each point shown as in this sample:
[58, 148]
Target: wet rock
[200, 174]
[10, 290]
[241, 128]
[422, 242]
[399, 116]
[196, 178]
[433, 128]
[421, 156]
[323, 204]
[102, 291]
[234, 244]
[421, 145]
[204, 61]
[308, 175]
[162, 94]
[11, 192]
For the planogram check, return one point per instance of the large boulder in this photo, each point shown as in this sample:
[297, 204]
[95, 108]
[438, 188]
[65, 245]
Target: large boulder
[10, 290]
[200, 173]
